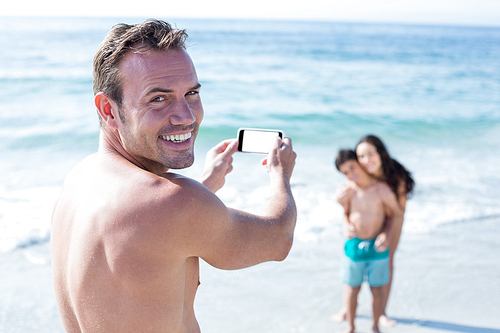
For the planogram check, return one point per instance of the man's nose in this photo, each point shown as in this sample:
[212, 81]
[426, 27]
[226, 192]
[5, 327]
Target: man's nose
[182, 114]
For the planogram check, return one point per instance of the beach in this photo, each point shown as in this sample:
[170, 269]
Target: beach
[428, 295]
[431, 93]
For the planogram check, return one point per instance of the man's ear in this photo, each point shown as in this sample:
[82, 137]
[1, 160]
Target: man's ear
[107, 108]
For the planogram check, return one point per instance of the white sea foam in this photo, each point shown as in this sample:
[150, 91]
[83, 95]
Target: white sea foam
[25, 217]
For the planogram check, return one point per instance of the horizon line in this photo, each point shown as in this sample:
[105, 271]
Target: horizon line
[269, 19]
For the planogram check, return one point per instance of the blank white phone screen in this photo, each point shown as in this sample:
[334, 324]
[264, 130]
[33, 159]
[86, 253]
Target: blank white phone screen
[258, 141]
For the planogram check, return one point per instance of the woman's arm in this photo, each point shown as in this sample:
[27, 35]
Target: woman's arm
[402, 197]
[344, 194]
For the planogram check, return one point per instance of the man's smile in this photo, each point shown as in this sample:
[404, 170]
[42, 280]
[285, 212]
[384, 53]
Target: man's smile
[178, 138]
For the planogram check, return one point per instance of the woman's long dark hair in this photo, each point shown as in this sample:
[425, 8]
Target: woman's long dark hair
[394, 172]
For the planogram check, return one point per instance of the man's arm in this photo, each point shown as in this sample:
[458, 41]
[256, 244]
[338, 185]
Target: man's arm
[231, 239]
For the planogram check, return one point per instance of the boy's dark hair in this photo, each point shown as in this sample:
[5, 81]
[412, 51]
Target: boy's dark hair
[343, 156]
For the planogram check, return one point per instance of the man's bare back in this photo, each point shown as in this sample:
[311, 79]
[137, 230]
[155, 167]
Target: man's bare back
[126, 243]
[118, 253]
[127, 233]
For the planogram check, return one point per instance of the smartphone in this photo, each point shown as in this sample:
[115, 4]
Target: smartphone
[254, 140]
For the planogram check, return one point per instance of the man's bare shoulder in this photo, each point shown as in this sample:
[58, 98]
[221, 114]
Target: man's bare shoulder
[123, 189]
[161, 197]
[160, 213]
[174, 192]
[118, 174]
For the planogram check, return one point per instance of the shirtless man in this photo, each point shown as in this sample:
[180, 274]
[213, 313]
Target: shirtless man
[368, 233]
[127, 234]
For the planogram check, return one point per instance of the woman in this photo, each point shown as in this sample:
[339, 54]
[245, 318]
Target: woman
[374, 158]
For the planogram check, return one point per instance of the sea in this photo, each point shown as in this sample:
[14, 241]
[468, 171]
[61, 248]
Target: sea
[431, 93]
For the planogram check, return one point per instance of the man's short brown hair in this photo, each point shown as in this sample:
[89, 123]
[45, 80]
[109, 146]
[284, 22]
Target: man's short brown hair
[149, 35]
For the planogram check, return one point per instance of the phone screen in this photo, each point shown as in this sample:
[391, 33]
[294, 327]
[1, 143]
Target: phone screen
[256, 140]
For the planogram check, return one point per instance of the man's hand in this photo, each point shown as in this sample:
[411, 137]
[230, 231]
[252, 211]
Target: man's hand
[218, 163]
[281, 157]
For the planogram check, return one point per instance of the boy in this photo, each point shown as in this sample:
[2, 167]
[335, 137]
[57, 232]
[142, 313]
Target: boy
[367, 221]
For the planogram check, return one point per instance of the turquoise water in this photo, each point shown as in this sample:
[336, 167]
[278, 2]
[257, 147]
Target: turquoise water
[432, 93]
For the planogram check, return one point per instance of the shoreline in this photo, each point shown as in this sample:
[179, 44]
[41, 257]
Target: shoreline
[445, 281]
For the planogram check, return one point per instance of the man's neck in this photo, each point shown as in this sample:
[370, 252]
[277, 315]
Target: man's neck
[110, 143]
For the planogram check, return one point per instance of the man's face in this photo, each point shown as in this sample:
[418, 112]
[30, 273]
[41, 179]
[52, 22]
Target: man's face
[351, 169]
[161, 109]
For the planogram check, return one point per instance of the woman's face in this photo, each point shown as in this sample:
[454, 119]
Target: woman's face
[369, 159]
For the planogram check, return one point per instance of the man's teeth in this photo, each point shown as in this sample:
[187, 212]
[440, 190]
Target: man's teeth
[176, 138]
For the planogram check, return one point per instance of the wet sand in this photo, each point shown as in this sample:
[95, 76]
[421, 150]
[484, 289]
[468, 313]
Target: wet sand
[446, 280]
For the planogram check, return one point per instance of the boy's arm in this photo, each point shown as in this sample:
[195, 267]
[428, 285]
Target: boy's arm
[343, 195]
[349, 228]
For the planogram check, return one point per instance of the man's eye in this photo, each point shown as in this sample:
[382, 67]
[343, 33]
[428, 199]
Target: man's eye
[158, 99]
[193, 93]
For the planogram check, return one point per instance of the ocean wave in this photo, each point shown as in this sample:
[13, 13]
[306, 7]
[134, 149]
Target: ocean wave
[25, 217]
[337, 126]
[431, 94]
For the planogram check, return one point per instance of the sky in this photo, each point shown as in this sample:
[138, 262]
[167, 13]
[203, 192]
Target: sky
[446, 12]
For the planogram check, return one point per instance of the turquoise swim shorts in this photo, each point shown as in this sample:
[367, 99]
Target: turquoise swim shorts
[363, 263]
[363, 249]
